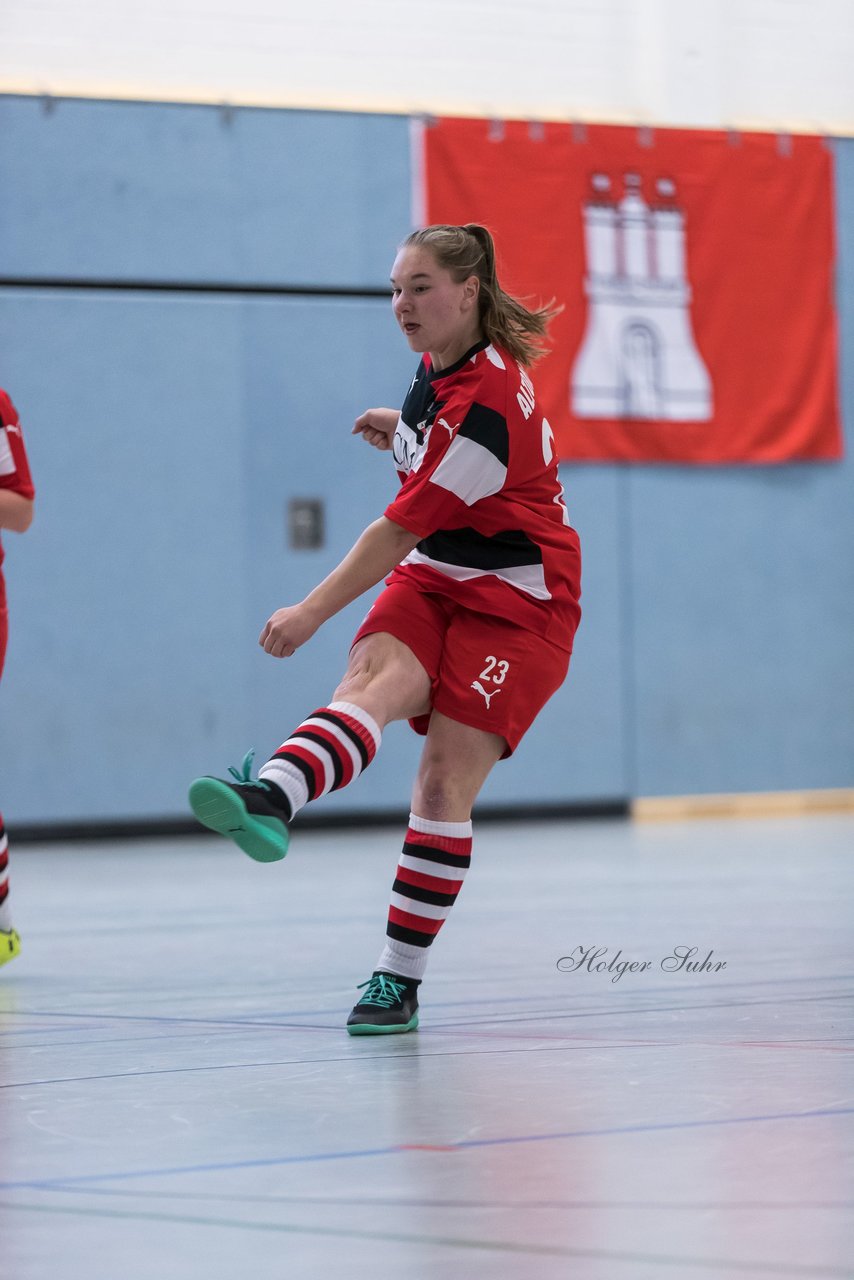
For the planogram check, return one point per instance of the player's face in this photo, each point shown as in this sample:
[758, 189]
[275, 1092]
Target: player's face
[435, 312]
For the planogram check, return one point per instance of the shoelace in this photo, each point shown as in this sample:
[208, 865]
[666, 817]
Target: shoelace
[242, 775]
[383, 990]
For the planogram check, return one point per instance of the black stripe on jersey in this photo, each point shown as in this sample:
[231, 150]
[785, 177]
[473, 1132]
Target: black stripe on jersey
[458, 364]
[428, 854]
[507, 550]
[350, 733]
[420, 406]
[489, 429]
[417, 894]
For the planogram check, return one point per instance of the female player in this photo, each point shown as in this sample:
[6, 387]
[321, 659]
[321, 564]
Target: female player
[474, 629]
[16, 512]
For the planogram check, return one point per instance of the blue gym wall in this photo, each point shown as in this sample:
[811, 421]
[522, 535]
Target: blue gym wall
[168, 431]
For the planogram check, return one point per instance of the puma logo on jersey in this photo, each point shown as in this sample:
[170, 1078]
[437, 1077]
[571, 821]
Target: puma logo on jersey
[480, 689]
[450, 430]
[13, 426]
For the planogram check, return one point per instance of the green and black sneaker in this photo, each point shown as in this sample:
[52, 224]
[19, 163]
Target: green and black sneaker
[253, 813]
[389, 1004]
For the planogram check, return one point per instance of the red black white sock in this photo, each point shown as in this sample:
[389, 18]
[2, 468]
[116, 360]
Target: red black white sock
[430, 874]
[328, 750]
[5, 913]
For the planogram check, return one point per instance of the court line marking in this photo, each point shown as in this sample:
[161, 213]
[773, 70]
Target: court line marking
[568, 1044]
[46, 1184]
[810, 998]
[806, 1044]
[268, 1019]
[424, 1202]
[578, 1045]
[452, 1242]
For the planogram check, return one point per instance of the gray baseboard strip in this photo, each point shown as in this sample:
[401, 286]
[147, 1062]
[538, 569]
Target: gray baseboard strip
[173, 827]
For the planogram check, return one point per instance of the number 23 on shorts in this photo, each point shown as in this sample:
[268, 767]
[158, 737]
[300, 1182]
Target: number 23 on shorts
[495, 670]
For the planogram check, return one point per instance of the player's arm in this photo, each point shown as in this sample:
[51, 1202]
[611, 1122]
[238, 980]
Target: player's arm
[377, 427]
[382, 546]
[16, 511]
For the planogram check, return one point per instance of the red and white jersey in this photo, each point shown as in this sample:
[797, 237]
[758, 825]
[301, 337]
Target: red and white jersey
[14, 468]
[480, 488]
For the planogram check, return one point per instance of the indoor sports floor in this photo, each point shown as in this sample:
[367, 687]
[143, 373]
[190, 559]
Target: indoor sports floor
[179, 1100]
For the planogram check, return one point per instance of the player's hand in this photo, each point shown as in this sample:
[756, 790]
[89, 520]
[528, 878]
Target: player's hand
[377, 427]
[287, 629]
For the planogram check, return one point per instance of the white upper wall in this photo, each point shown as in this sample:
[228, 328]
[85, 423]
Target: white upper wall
[765, 64]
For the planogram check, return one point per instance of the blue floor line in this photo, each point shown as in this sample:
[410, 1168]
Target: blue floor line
[48, 1184]
[437, 1005]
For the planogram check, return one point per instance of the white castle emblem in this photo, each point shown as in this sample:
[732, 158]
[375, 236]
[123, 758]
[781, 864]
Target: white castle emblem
[638, 358]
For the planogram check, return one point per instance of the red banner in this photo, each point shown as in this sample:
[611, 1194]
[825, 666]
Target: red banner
[695, 270]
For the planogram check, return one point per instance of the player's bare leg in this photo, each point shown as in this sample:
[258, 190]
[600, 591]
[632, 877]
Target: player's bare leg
[385, 679]
[455, 763]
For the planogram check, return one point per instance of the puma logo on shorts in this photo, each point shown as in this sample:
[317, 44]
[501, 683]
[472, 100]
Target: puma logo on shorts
[479, 687]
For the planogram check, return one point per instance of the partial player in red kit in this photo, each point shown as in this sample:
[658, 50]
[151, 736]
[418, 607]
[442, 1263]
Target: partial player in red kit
[16, 512]
[474, 630]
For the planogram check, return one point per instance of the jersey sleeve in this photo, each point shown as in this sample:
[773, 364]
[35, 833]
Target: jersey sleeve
[466, 460]
[14, 467]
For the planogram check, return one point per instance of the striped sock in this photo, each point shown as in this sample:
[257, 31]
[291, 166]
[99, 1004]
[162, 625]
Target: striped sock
[5, 914]
[435, 858]
[328, 750]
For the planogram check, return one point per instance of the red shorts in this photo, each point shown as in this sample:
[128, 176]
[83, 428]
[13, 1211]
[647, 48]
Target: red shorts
[486, 672]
